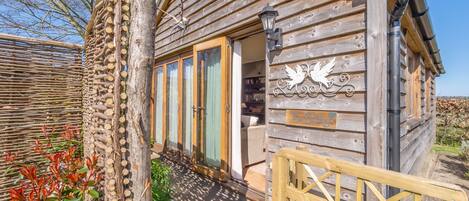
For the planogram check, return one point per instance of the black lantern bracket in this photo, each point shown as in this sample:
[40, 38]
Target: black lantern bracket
[268, 16]
[274, 39]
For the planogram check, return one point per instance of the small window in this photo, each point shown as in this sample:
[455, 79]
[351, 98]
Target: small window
[414, 86]
[428, 93]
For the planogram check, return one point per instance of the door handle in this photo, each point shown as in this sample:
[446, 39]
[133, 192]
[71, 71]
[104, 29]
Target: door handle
[197, 109]
[194, 109]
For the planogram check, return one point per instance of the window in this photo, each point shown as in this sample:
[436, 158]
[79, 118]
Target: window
[187, 105]
[428, 91]
[414, 86]
[172, 95]
[158, 97]
[172, 104]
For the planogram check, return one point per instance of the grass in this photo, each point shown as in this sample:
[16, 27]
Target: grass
[453, 150]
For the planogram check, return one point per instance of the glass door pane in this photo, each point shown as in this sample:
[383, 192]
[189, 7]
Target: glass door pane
[187, 106]
[159, 106]
[211, 105]
[211, 91]
[172, 95]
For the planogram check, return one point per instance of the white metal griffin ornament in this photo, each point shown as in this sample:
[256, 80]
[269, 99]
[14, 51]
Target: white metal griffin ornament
[321, 83]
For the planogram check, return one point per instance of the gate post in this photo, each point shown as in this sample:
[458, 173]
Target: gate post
[280, 178]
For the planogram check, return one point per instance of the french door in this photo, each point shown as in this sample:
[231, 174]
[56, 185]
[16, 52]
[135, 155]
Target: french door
[211, 106]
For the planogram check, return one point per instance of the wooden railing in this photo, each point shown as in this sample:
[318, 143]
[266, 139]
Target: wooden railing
[293, 179]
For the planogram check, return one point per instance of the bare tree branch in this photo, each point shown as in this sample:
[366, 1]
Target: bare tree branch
[72, 16]
[63, 20]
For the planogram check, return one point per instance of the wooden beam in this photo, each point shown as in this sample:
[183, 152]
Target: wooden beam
[225, 105]
[159, 15]
[117, 101]
[180, 104]
[40, 42]
[164, 120]
[376, 82]
[376, 85]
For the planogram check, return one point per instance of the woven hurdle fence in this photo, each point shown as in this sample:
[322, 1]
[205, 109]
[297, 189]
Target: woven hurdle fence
[40, 84]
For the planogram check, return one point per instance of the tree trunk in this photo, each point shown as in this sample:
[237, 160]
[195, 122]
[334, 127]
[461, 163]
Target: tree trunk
[141, 59]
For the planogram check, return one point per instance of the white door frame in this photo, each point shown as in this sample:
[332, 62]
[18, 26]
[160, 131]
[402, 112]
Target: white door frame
[236, 155]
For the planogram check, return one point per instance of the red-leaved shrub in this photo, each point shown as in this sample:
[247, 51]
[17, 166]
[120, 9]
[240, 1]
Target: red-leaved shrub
[68, 175]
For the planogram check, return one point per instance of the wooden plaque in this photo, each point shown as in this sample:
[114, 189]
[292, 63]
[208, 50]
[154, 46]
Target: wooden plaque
[312, 119]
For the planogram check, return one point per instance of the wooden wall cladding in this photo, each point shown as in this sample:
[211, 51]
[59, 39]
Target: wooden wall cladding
[313, 31]
[40, 84]
[320, 31]
[311, 119]
[417, 132]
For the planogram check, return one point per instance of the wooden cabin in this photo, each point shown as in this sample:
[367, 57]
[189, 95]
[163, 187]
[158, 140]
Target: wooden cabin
[226, 96]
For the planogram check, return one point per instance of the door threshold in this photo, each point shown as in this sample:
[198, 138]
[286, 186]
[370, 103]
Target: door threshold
[243, 188]
[254, 176]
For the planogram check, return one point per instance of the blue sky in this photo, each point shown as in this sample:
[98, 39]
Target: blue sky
[450, 19]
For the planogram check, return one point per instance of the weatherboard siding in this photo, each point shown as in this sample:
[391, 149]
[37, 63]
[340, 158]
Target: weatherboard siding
[417, 133]
[334, 29]
[313, 31]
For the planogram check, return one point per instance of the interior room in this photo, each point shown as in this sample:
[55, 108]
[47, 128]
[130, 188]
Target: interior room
[252, 110]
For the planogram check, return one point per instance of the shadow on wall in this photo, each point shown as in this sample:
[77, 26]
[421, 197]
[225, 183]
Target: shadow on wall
[188, 185]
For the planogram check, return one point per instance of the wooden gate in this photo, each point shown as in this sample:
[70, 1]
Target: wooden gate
[292, 173]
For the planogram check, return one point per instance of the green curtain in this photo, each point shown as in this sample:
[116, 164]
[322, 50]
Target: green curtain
[172, 87]
[187, 104]
[212, 106]
[159, 106]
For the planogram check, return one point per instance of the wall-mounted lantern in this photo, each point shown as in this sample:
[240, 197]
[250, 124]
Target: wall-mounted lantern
[274, 35]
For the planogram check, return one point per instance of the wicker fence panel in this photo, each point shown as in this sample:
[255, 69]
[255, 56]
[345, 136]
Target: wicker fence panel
[40, 84]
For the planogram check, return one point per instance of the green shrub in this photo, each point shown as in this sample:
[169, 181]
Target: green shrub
[464, 152]
[450, 136]
[161, 181]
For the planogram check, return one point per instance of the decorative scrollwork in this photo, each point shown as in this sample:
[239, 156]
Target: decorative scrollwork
[321, 82]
